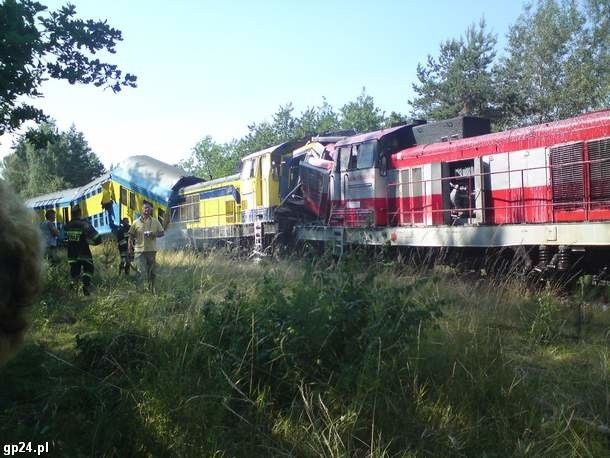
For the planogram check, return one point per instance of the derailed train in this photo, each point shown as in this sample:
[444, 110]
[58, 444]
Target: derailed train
[542, 191]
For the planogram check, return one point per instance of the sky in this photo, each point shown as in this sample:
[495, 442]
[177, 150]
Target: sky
[215, 67]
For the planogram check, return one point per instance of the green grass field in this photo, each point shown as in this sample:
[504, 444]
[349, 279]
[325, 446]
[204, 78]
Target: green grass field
[308, 358]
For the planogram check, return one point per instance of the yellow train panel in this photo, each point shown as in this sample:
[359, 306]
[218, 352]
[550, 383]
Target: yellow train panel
[210, 204]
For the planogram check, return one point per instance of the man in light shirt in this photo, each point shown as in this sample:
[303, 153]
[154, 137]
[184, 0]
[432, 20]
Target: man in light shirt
[143, 243]
[49, 235]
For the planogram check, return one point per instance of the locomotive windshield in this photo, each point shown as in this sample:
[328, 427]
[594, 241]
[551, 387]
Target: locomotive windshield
[358, 157]
[366, 155]
[246, 169]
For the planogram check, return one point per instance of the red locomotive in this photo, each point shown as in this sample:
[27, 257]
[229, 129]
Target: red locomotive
[451, 184]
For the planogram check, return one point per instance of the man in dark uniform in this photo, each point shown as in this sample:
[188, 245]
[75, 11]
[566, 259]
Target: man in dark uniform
[80, 234]
[121, 237]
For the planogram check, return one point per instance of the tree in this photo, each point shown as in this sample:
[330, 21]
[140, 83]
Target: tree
[557, 62]
[37, 44]
[79, 163]
[211, 160]
[597, 13]
[460, 81]
[317, 120]
[396, 119]
[46, 160]
[362, 115]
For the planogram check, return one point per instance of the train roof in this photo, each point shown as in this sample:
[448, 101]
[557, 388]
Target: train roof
[376, 135]
[313, 145]
[323, 142]
[279, 149]
[582, 127]
[66, 196]
[51, 199]
[333, 137]
[152, 177]
[210, 183]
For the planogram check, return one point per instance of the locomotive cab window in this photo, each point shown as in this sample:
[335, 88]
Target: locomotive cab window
[357, 157]
[256, 170]
[344, 155]
[366, 155]
[275, 170]
[247, 170]
[353, 158]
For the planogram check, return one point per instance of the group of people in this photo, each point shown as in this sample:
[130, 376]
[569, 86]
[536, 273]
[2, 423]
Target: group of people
[138, 240]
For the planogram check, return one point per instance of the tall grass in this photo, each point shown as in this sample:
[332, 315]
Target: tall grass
[307, 358]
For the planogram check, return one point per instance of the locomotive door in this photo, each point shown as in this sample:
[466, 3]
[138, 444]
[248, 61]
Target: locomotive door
[481, 173]
[358, 176]
[267, 198]
[335, 187]
[258, 183]
[446, 192]
[463, 191]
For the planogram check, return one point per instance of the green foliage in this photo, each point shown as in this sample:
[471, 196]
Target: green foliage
[460, 81]
[38, 44]
[46, 160]
[396, 119]
[317, 120]
[211, 160]
[304, 358]
[546, 321]
[362, 115]
[556, 65]
[557, 62]
[328, 325]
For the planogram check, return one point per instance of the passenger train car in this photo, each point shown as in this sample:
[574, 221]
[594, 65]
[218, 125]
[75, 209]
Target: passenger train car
[118, 194]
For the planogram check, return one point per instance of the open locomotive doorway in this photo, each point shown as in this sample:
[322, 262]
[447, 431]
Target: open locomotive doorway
[463, 188]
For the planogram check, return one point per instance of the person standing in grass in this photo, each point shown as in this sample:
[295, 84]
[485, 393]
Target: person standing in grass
[143, 243]
[50, 234]
[80, 234]
[121, 232]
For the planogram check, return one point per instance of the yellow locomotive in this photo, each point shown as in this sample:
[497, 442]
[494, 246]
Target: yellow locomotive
[238, 209]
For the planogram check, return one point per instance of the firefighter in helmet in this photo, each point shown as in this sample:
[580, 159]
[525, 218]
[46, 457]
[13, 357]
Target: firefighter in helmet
[80, 234]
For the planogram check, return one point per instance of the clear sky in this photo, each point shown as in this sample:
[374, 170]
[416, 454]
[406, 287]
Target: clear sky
[214, 67]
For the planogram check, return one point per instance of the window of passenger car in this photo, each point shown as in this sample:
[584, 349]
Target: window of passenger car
[132, 200]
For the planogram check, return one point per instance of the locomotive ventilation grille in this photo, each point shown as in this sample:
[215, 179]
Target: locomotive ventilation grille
[599, 155]
[567, 175]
